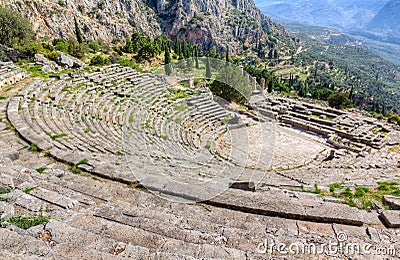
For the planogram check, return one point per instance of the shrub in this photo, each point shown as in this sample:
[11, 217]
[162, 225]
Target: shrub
[94, 46]
[99, 60]
[14, 28]
[75, 49]
[32, 48]
[129, 63]
[53, 55]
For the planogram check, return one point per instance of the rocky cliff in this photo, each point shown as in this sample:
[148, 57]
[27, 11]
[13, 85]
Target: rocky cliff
[105, 19]
[213, 22]
[208, 23]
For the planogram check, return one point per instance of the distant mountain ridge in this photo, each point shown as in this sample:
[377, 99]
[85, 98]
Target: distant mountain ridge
[340, 14]
[388, 19]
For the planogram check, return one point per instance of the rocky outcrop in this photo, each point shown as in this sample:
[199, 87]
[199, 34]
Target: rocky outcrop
[106, 19]
[209, 23]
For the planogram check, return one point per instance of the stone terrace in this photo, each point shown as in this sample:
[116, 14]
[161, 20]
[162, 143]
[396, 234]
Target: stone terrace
[342, 130]
[10, 74]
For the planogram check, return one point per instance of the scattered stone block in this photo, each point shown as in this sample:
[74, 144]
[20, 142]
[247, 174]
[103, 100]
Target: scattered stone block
[391, 218]
[392, 202]
[245, 185]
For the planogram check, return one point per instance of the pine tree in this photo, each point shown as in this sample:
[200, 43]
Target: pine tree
[208, 68]
[78, 32]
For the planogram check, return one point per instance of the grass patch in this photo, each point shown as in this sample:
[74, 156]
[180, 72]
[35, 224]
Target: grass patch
[41, 170]
[26, 222]
[395, 149]
[75, 170]
[60, 175]
[361, 197]
[36, 71]
[204, 176]
[176, 94]
[335, 186]
[34, 148]
[317, 190]
[29, 189]
[55, 137]
[180, 107]
[83, 161]
[4, 190]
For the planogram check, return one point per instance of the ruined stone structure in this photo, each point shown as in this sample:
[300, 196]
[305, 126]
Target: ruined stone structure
[343, 130]
[10, 74]
[77, 122]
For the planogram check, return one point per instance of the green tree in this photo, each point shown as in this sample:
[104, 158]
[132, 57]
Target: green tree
[339, 100]
[270, 86]
[276, 54]
[208, 68]
[147, 51]
[14, 28]
[231, 85]
[78, 33]
[167, 61]
[196, 55]
[75, 49]
[227, 54]
[128, 48]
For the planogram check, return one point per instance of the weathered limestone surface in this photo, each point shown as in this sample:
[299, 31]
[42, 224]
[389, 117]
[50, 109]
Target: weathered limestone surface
[80, 119]
[392, 202]
[391, 218]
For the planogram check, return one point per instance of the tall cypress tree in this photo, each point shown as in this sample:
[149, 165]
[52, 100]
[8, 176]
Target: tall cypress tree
[270, 85]
[227, 54]
[196, 55]
[78, 31]
[167, 54]
[208, 68]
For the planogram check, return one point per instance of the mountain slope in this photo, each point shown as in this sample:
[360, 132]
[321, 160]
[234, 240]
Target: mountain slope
[209, 23]
[214, 22]
[387, 19]
[98, 19]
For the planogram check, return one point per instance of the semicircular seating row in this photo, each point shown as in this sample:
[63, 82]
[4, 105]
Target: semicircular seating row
[94, 119]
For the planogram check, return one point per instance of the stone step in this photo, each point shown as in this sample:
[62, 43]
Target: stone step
[120, 229]
[391, 218]
[22, 245]
[293, 208]
[62, 233]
